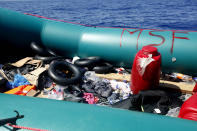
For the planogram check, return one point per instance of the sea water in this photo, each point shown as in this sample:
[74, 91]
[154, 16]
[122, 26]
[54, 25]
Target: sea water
[153, 14]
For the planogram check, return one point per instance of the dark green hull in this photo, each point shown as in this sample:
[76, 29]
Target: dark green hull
[117, 45]
[67, 116]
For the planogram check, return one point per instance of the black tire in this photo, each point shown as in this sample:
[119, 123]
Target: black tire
[59, 79]
[51, 52]
[95, 58]
[88, 61]
[47, 59]
[38, 49]
[103, 68]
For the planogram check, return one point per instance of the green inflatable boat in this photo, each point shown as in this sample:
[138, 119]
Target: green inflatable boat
[116, 45]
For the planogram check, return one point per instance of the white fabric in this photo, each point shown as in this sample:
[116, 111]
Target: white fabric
[142, 63]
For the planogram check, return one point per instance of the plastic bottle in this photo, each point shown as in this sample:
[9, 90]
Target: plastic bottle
[146, 69]
[90, 75]
[57, 93]
[183, 77]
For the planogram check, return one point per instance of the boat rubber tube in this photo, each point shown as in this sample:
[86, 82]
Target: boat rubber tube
[119, 46]
[56, 115]
[75, 77]
[88, 61]
[47, 59]
[116, 45]
[38, 49]
[41, 50]
[103, 68]
[94, 63]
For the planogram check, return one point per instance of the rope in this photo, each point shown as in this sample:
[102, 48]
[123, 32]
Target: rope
[102, 26]
[57, 20]
[26, 128]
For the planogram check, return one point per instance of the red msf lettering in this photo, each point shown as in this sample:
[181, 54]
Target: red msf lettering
[163, 39]
[131, 32]
[151, 34]
[173, 37]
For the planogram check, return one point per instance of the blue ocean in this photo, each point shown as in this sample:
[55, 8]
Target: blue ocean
[151, 14]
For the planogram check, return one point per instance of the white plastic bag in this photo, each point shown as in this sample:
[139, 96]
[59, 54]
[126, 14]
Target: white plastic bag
[142, 63]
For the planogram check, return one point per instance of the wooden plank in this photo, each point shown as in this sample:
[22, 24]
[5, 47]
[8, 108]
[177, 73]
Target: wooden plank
[114, 76]
[182, 86]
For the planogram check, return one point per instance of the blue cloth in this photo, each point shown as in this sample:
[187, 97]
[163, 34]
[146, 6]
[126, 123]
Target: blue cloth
[19, 80]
